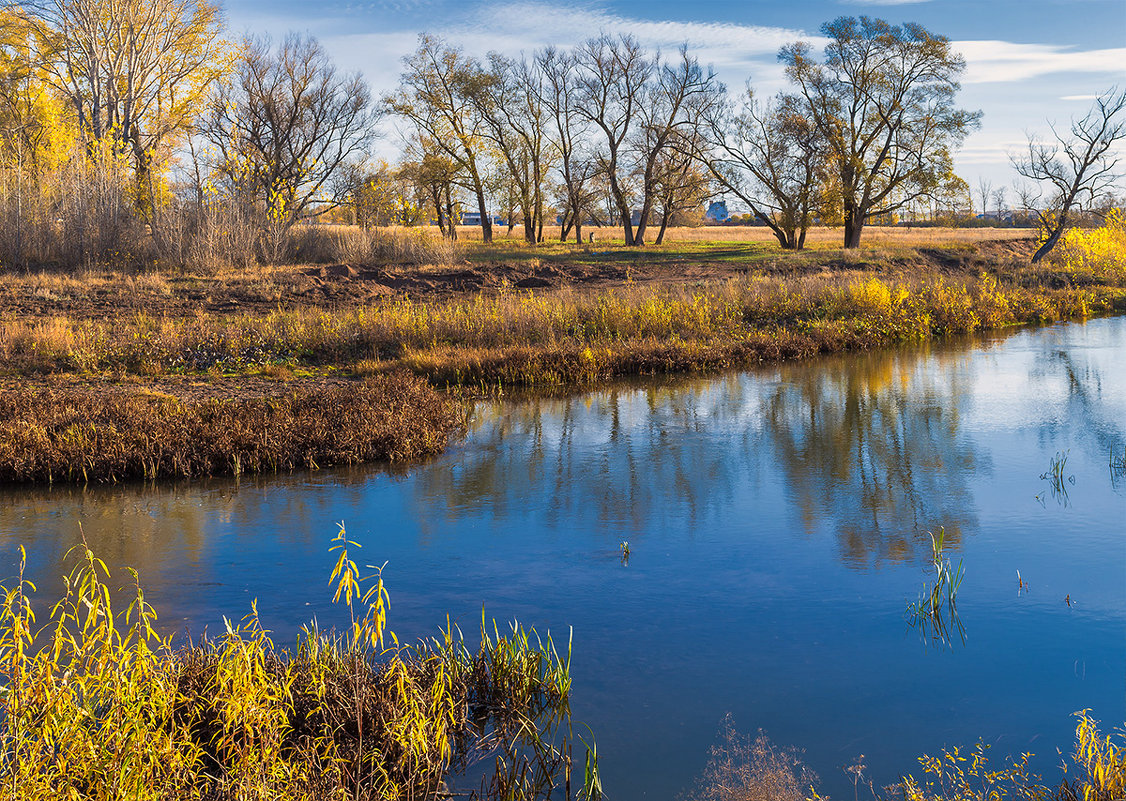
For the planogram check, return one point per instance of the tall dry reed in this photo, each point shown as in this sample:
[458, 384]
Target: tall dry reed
[93, 434]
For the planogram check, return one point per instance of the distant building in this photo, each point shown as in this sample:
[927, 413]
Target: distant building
[474, 218]
[717, 212]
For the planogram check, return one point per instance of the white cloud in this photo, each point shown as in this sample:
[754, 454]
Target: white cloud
[736, 51]
[1078, 97]
[991, 61]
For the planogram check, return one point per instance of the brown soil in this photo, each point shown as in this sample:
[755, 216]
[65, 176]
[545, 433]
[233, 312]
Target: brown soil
[349, 285]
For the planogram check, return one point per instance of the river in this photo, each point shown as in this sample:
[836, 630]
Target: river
[777, 522]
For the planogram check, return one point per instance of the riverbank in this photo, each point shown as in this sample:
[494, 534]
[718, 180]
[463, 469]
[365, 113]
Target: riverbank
[97, 431]
[735, 304]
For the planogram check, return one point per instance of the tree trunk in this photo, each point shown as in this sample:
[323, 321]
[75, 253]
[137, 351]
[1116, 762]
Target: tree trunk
[642, 223]
[486, 223]
[529, 229]
[451, 223]
[1051, 241]
[853, 226]
[623, 208]
[664, 226]
[436, 196]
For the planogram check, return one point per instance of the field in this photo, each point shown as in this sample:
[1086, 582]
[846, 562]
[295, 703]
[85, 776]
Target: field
[342, 271]
[475, 318]
[830, 238]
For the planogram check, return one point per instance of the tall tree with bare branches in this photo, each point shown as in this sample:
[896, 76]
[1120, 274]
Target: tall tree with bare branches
[285, 127]
[439, 93]
[573, 160]
[613, 72]
[773, 158]
[1076, 170]
[516, 123]
[673, 102]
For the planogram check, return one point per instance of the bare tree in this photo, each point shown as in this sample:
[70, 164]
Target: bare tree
[613, 73]
[575, 165]
[435, 177]
[773, 158]
[672, 105]
[439, 93]
[516, 121]
[999, 201]
[285, 127]
[985, 192]
[680, 184]
[1076, 170]
[883, 98]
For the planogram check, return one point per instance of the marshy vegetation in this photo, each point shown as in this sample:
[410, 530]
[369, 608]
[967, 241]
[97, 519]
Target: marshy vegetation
[742, 768]
[98, 432]
[567, 336]
[97, 705]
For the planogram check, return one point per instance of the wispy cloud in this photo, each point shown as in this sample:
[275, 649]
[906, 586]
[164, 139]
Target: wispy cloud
[881, 2]
[991, 61]
[737, 52]
[1078, 97]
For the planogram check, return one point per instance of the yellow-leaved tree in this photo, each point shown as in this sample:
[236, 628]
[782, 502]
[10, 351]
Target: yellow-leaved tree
[135, 73]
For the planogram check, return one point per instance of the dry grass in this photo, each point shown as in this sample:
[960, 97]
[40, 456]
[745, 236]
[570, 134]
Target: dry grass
[744, 769]
[874, 236]
[566, 336]
[351, 244]
[94, 433]
[741, 768]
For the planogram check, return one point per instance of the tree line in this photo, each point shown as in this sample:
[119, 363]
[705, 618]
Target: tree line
[612, 133]
[138, 125]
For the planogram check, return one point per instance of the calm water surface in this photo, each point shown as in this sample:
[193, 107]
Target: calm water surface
[778, 525]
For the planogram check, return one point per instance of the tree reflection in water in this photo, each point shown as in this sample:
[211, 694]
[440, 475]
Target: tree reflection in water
[869, 444]
[873, 443]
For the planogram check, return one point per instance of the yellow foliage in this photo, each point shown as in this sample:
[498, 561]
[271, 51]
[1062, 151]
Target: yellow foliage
[1098, 251]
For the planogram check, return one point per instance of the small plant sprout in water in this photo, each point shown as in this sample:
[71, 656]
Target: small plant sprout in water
[1118, 463]
[936, 610]
[1057, 477]
[623, 547]
[1117, 466]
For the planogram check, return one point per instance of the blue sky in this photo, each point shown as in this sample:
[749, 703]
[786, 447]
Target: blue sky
[1029, 61]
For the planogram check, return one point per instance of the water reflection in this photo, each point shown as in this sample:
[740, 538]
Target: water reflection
[868, 444]
[875, 444]
[870, 447]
